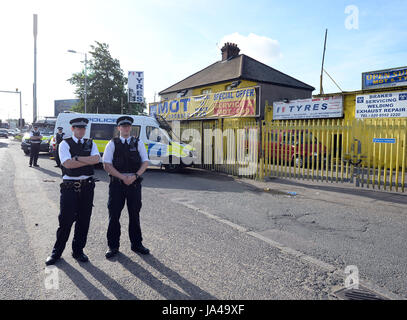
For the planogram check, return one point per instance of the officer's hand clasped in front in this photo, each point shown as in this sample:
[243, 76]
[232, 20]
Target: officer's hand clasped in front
[125, 160]
[77, 156]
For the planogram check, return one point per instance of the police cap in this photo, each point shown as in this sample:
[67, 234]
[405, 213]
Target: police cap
[125, 120]
[59, 128]
[79, 122]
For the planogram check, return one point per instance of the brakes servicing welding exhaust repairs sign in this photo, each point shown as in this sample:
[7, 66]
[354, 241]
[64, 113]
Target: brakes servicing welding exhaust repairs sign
[311, 108]
[381, 105]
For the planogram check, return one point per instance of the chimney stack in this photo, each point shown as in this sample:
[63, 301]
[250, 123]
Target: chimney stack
[229, 50]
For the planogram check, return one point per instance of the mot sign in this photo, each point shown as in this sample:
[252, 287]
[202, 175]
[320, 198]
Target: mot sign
[136, 86]
[384, 78]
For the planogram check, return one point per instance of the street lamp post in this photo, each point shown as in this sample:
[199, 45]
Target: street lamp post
[35, 69]
[86, 80]
[21, 112]
[86, 74]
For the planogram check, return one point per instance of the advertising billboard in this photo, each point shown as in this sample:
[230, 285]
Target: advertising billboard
[311, 108]
[226, 104]
[136, 87]
[381, 105]
[384, 78]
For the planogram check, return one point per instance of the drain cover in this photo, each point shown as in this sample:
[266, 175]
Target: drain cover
[358, 294]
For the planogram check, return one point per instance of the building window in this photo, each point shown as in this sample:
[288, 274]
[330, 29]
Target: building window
[233, 85]
[182, 93]
[206, 91]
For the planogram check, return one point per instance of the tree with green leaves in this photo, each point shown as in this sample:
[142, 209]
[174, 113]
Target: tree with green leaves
[106, 85]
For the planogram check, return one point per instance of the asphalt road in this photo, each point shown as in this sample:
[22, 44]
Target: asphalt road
[210, 236]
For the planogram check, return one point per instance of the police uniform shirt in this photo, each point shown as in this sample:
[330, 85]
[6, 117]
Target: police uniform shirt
[109, 152]
[32, 135]
[65, 155]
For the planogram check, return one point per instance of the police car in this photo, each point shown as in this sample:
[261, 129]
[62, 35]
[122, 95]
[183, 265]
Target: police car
[161, 148]
[45, 141]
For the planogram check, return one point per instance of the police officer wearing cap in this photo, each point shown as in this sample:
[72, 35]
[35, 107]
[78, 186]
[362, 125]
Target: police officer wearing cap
[35, 138]
[78, 156]
[125, 160]
[59, 137]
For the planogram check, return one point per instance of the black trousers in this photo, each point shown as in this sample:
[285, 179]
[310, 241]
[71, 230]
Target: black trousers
[74, 207]
[56, 156]
[34, 151]
[119, 193]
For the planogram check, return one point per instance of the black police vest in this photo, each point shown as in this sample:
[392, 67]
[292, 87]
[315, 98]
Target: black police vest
[126, 158]
[83, 150]
[36, 134]
[59, 137]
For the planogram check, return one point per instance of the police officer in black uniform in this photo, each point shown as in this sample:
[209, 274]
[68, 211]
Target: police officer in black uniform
[35, 139]
[78, 156]
[59, 137]
[125, 160]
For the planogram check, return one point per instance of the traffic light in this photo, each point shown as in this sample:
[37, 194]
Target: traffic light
[21, 122]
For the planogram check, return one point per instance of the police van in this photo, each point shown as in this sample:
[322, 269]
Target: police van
[158, 138]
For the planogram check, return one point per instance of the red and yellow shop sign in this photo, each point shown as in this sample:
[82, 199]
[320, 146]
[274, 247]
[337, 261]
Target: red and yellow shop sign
[226, 104]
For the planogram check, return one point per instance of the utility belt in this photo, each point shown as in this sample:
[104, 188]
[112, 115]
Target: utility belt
[117, 180]
[78, 185]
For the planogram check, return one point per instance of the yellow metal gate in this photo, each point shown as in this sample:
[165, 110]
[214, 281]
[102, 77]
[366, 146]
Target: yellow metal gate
[369, 152]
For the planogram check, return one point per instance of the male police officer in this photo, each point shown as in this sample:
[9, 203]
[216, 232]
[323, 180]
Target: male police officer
[77, 156]
[125, 159]
[59, 137]
[35, 138]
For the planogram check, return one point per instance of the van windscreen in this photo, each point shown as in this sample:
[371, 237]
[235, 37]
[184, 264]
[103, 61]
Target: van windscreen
[102, 131]
[108, 131]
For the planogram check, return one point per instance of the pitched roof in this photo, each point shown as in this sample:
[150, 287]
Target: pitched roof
[238, 67]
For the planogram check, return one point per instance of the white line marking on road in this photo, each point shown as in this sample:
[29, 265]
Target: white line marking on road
[309, 259]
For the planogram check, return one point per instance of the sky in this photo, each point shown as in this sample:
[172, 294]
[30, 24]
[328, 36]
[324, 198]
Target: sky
[171, 40]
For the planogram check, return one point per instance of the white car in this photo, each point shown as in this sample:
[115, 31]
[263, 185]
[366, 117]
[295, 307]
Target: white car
[13, 132]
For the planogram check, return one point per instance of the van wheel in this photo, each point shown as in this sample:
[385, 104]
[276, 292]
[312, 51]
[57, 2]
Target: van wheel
[172, 167]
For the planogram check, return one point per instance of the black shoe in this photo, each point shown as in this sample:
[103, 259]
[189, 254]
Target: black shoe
[51, 260]
[36, 165]
[30, 165]
[140, 249]
[57, 166]
[111, 253]
[80, 256]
